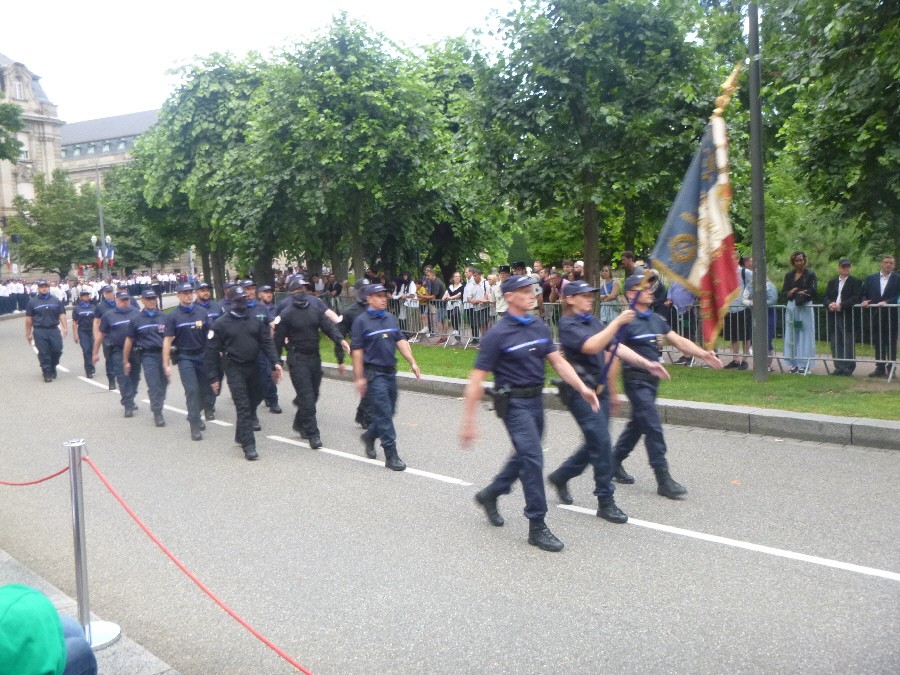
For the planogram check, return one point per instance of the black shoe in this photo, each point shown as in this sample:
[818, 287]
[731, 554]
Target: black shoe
[275, 409]
[129, 412]
[744, 365]
[158, 419]
[90, 375]
[562, 488]
[256, 425]
[53, 373]
[734, 365]
[393, 463]
[210, 414]
[201, 425]
[196, 434]
[370, 445]
[489, 503]
[878, 372]
[544, 539]
[48, 378]
[608, 510]
[315, 442]
[667, 485]
[250, 452]
[112, 384]
[620, 475]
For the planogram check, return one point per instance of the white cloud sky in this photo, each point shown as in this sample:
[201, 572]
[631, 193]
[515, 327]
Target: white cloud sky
[100, 58]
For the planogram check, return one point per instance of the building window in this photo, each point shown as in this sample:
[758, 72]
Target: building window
[23, 150]
[106, 146]
[91, 149]
[64, 153]
[76, 151]
[18, 90]
[121, 144]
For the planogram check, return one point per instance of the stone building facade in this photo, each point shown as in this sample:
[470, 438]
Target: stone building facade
[97, 145]
[40, 138]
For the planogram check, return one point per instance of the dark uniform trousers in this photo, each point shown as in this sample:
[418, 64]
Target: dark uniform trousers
[86, 341]
[247, 393]
[155, 377]
[381, 392]
[597, 447]
[49, 345]
[192, 372]
[306, 376]
[525, 425]
[128, 384]
[108, 360]
[270, 389]
[644, 422]
[843, 344]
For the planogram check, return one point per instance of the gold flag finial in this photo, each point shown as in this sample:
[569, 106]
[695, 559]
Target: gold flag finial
[729, 86]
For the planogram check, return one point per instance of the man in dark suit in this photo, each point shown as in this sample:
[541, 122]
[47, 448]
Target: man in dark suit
[879, 290]
[842, 294]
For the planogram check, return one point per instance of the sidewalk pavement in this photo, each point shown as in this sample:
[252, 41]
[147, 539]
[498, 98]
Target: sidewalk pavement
[123, 657]
[861, 431]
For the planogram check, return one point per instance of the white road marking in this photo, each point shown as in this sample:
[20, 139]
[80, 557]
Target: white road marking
[374, 462]
[781, 553]
[93, 382]
[184, 412]
[63, 368]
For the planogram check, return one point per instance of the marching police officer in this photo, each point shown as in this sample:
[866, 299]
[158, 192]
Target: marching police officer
[265, 314]
[363, 410]
[184, 345]
[213, 311]
[300, 324]
[148, 329]
[83, 320]
[514, 350]
[114, 328]
[237, 338]
[644, 335]
[45, 317]
[584, 338]
[106, 303]
[376, 338]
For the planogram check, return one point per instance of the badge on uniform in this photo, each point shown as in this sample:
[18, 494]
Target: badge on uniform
[198, 324]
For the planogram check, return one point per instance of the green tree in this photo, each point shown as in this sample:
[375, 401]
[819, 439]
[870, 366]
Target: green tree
[56, 225]
[344, 127]
[10, 124]
[840, 62]
[595, 108]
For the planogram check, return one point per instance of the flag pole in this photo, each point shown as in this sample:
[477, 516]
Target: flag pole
[759, 312]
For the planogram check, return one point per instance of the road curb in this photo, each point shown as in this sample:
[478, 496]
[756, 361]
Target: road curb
[861, 431]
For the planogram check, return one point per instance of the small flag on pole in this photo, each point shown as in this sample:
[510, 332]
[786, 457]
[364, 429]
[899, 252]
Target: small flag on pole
[111, 254]
[696, 245]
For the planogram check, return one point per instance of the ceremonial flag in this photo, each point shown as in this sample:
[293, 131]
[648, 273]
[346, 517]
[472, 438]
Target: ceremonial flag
[99, 257]
[111, 254]
[696, 245]
[4, 250]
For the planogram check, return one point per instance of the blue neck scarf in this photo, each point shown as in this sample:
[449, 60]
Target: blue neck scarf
[584, 317]
[187, 308]
[85, 304]
[149, 312]
[377, 313]
[524, 320]
[644, 315]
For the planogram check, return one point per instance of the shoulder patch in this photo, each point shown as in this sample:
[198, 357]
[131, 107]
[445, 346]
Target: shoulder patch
[209, 335]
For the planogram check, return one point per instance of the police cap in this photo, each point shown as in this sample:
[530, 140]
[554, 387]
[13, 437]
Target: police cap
[634, 281]
[516, 281]
[185, 287]
[577, 287]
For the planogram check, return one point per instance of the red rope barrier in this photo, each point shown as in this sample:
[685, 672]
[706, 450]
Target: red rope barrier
[190, 574]
[35, 482]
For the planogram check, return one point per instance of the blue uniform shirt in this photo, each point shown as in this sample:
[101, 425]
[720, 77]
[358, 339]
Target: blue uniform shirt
[44, 311]
[514, 351]
[377, 336]
[574, 331]
[147, 329]
[642, 336]
[188, 326]
[83, 316]
[116, 325]
[213, 309]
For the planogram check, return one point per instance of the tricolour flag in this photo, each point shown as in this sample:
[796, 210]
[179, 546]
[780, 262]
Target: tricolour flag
[4, 250]
[111, 254]
[696, 245]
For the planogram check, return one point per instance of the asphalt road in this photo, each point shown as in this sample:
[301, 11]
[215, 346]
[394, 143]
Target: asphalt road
[351, 568]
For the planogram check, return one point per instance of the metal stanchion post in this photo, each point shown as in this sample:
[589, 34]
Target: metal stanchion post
[99, 634]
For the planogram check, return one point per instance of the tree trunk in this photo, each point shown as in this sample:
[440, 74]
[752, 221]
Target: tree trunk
[262, 269]
[591, 219]
[217, 261]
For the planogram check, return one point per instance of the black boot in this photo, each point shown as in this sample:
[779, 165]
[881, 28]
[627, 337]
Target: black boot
[196, 433]
[370, 445]
[255, 424]
[210, 414]
[562, 488]
[607, 509]
[158, 419]
[250, 453]
[315, 442]
[112, 384]
[667, 486]
[620, 475]
[540, 535]
[394, 463]
[488, 502]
